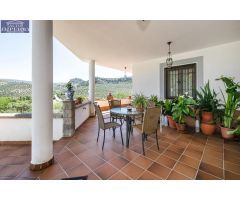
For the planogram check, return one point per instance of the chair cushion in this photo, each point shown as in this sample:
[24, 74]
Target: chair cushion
[111, 125]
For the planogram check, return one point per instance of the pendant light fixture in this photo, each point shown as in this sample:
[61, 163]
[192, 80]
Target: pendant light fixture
[169, 60]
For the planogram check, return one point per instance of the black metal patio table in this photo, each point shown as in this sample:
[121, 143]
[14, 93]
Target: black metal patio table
[128, 115]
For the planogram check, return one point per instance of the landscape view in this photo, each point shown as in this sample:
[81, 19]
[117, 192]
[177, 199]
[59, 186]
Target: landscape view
[15, 95]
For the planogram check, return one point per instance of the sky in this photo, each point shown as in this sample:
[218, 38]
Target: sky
[16, 60]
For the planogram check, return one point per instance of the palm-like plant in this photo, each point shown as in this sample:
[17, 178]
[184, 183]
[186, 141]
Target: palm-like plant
[207, 99]
[156, 101]
[139, 100]
[232, 102]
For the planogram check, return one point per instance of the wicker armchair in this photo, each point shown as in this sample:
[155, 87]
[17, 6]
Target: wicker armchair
[106, 125]
[150, 124]
[115, 103]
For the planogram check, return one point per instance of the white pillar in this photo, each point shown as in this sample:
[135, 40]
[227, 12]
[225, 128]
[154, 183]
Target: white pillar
[92, 86]
[42, 91]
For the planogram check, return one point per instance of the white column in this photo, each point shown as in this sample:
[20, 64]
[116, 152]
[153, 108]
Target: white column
[92, 86]
[42, 91]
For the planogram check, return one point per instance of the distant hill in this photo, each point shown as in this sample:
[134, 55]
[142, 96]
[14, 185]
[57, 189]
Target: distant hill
[17, 88]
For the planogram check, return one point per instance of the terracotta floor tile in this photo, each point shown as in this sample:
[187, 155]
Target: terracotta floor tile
[189, 161]
[232, 158]
[172, 154]
[142, 162]
[119, 176]
[93, 162]
[108, 155]
[231, 176]
[159, 170]
[80, 170]
[214, 148]
[188, 149]
[159, 151]
[119, 162]
[176, 149]
[51, 172]
[137, 149]
[105, 171]
[132, 170]
[166, 161]
[193, 154]
[69, 163]
[232, 167]
[148, 176]
[92, 176]
[212, 161]
[151, 154]
[213, 153]
[15, 160]
[218, 172]
[201, 175]
[129, 154]
[185, 170]
[27, 173]
[177, 176]
[11, 170]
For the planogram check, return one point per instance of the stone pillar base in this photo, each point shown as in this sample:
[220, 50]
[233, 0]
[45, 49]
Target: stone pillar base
[41, 166]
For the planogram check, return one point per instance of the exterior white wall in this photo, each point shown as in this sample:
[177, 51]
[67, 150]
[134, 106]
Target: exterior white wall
[146, 78]
[19, 129]
[218, 60]
[82, 113]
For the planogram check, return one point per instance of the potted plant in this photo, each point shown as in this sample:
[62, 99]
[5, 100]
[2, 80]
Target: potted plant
[140, 102]
[182, 109]
[208, 128]
[153, 101]
[167, 110]
[231, 104]
[70, 92]
[80, 99]
[236, 131]
[207, 102]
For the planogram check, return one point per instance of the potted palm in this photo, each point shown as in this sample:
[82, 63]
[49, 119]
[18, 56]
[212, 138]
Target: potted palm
[167, 110]
[181, 110]
[140, 102]
[231, 104]
[70, 92]
[153, 101]
[208, 103]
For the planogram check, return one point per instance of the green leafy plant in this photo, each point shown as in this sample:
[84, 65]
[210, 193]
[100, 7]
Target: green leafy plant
[139, 100]
[81, 99]
[182, 108]
[232, 101]
[69, 86]
[237, 130]
[156, 101]
[168, 106]
[207, 99]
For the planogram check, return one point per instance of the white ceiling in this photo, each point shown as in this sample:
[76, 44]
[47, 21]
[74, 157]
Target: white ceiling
[122, 43]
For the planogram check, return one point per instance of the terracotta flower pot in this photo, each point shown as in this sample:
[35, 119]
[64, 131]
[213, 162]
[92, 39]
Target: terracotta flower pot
[171, 122]
[181, 127]
[207, 116]
[208, 129]
[225, 135]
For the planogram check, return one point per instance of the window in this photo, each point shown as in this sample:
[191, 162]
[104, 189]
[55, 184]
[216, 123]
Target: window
[179, 80]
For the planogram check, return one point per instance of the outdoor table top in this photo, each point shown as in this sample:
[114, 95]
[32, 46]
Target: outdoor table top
[125, 112]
